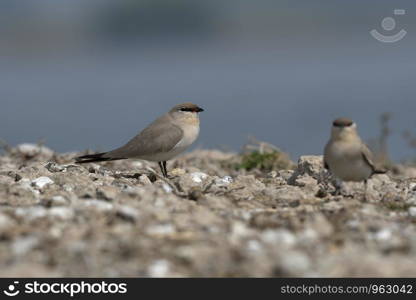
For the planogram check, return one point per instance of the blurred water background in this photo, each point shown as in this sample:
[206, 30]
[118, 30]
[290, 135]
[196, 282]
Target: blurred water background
[90, 74]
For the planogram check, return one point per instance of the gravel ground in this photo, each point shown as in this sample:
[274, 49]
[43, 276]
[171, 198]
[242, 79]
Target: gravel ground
[211, 219]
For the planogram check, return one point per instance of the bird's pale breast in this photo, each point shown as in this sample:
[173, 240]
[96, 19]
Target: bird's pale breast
[346, 161]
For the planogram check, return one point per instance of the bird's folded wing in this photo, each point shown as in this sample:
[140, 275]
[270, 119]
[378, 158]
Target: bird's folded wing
[368, 157]
[159, 137]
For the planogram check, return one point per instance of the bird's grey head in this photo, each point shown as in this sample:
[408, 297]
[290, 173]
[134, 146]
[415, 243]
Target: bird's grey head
[343, 128]
[187, 112]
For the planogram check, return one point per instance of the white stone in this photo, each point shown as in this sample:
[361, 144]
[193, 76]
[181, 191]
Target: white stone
[31, 213]
[41, 182]
[65, 213]
[33, 149]
[254, 246]
[143, 179]
[5, 222]
[98, 204]
[281, 237]
[159, 268]
[295, 262]
[383, 234]
[198, 177]
[166, 187]
[412, 211]
[58, 200]
[226, 180]
[162, 229]
[23, 245]
[128, 212]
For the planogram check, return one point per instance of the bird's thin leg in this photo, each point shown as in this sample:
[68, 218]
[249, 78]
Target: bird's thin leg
[338, 187]
[365, 189]
[162, 169]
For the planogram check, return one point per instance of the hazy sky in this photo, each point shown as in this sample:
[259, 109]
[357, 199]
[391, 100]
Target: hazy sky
[274, 70]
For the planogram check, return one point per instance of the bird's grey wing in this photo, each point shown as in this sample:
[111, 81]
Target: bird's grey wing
[367, 156]
[160, 136]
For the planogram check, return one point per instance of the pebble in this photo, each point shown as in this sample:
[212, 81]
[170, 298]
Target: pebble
[5, 222]
[412, 211]
[198, 177]
[41, 182]
[226, 180]
[64, 213]
[159, 268]
[23, 245]
[31, 150]
[98, 204]
[127, 212]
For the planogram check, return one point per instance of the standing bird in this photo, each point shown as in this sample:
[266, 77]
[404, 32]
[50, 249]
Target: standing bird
[162, 140]
[346, 156]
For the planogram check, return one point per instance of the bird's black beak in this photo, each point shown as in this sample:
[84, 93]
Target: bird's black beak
[199, 109]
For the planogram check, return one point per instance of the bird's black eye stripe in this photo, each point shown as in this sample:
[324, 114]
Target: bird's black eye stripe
[187, 109]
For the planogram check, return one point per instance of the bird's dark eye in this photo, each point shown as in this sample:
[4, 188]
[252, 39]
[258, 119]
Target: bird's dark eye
[342, 123]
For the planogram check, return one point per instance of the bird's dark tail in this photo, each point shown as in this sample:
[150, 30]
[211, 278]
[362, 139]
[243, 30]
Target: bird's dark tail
[94, 158]
[380, 171]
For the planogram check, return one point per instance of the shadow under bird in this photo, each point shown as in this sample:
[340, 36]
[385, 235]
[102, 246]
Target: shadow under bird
[346, 156]
[162, 140]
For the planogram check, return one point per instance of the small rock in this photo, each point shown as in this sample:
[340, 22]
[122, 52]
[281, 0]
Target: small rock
[254, 246]
[55, 201]
[107, 193]
[272, 174]
[281, 237]
[249, 182]
[177, 172]
[310, 166]
[23, 245]
[32, 150]
[383, 235]
[6, 180]
[159, 268]
[285, 174]
[167, 188]
[198, 177]
[16, 177]
[64, 213]
[5, 222]
[54, 167]
[321, 193]
[195, 193]
[226, 180]
[98, 204]
[144, 179]
[41, 182]
[127, 213]
[161, 229]
[412, 211]
[295, 262]
[31, 213]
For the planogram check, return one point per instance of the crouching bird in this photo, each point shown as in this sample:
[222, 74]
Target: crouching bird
[346, 156]
[162, 140]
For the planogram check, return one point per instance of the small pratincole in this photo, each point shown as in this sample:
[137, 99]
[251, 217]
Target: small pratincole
[346, 156]
[162, 140]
